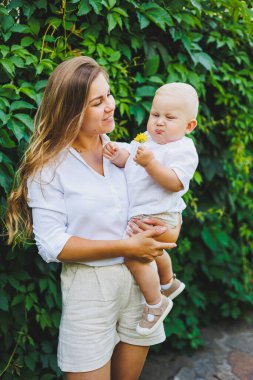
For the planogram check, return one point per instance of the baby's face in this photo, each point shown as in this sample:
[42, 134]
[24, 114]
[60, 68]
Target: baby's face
[168, 118]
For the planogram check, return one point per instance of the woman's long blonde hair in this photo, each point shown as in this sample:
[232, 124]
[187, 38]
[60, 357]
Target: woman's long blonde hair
[56, 125]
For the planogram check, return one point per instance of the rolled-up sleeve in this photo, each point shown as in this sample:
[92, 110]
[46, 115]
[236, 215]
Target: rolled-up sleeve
[46, 199]
[184, 164]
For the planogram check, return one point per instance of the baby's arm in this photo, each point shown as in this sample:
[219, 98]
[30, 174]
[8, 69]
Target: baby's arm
[165, 177]
[116, 155]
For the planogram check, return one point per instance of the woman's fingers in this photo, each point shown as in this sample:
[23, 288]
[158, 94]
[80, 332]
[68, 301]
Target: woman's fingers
[154, 224]
[142, 226]
[134, 228]
[152, 233]
[153, 221]
[168, 246]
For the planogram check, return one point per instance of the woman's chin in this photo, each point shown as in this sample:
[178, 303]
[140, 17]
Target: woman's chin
[110, 127]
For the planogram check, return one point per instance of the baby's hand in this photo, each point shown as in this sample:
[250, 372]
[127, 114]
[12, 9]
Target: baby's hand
[110, 151]
[143, 156]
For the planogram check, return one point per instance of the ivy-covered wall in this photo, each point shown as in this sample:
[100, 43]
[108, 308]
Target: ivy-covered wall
[143, 45]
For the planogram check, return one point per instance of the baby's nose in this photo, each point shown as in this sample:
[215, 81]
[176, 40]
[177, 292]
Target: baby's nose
[160, 121]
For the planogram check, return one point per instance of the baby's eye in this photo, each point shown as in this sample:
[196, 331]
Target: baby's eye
[170, 117]
[155, 114]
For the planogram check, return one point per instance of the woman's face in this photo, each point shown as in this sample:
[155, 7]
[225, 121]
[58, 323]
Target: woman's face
[99, 114]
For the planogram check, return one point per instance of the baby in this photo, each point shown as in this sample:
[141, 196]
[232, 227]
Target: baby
[158, 174]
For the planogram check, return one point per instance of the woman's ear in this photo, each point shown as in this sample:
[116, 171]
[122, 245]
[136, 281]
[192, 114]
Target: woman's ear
[192, 124]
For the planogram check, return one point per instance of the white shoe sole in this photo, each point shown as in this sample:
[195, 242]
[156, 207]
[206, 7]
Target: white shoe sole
[177, 292]
[144, 331]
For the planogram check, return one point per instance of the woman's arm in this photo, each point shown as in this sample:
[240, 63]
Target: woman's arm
[142, 247]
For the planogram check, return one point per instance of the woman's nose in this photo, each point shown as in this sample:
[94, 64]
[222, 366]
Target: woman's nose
[110, 106]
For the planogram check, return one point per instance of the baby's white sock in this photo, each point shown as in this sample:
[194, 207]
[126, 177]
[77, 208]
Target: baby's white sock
[167, 286]
[151, 317]
[156, 305]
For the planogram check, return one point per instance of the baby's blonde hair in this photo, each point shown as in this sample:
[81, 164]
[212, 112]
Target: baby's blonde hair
[186, 92]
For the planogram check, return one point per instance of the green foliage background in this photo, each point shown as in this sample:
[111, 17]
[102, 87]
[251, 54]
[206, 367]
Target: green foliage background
[142, 45]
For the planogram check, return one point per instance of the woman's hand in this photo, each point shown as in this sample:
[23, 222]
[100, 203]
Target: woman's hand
[143, 246]
[137, 225]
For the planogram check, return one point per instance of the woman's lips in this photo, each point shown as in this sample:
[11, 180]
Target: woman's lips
[109, 119]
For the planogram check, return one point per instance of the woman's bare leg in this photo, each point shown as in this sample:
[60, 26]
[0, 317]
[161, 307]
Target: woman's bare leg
[102, 373]
[127, 361]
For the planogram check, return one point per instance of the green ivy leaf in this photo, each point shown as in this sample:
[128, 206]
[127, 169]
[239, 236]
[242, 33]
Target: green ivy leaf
[145, 91]
[27, 41]
[34, 26]
[18, 299]
[4, 50]
[8, 65]
[209, 238]
[19, 28]
[204, 59]
[5, 140]
[114, 57]
[83, 8]
[18, 129]
[96, 5]
[112, 3]
[4, 304]
[3, 10]
[8, 23]
[30, 360]
[143, 20]
[24, 118]
[17, 61]
[20, 104]
[112, 22]
[138, 112]
[120, 11]
[151, 65]
[3, 117]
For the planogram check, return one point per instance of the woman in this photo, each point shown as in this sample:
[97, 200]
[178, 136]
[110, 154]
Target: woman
[78, 213]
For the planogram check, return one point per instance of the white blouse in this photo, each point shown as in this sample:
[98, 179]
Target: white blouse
[72, 199]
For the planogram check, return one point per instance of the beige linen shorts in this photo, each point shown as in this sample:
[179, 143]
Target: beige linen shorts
[101, 306]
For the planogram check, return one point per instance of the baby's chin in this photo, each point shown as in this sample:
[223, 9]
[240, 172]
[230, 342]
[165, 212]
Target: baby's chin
[162, 139]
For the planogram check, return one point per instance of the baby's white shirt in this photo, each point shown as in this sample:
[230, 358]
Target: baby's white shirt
[148, 197]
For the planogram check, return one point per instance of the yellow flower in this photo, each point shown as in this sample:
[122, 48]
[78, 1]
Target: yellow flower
[141, 138]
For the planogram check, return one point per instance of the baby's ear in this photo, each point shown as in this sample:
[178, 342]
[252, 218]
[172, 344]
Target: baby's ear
[192, 124]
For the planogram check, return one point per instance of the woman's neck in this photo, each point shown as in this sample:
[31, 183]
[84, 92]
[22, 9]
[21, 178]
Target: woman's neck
[86, 143]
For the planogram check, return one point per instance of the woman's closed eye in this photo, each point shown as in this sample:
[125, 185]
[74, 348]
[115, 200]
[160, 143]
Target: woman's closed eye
[100, 101]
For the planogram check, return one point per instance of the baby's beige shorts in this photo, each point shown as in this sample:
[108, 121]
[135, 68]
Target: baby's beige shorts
[101, 306]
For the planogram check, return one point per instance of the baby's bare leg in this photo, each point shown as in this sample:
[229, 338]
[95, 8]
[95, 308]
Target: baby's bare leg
[171, 235]
[147, 278]
[164, 264]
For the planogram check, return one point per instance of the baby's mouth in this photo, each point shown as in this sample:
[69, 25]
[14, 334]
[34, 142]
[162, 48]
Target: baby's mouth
[159, 131]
